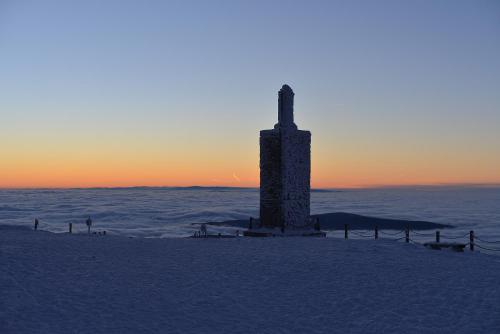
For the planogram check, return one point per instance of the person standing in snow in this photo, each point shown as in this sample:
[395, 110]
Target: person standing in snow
[317, 227]
[89, 223]
[36, 224]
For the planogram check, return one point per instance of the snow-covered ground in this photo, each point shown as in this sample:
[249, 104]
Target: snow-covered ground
[60, 283]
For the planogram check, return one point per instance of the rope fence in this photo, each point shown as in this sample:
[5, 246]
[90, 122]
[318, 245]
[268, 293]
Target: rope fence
[361, 235]
[415, 242]
[454, 238]
[397, 233]
[488, 242]
[423, 234]
[488, 249]
[472, 241]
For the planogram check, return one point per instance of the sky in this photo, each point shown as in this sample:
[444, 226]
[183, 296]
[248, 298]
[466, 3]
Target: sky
[174, 93]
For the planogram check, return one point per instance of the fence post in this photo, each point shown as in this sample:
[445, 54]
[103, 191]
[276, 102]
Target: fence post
[89, 223]
[70, 228]
[407, 234]
[471, 240]
[345, 231]
[438, 236]
[376, 232]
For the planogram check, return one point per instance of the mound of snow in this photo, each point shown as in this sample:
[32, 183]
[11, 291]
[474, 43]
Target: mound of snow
[337, 220]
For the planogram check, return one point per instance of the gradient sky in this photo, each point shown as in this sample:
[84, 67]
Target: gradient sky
[128, 93]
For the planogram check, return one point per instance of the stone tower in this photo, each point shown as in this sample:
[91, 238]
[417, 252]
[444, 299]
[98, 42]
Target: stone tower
[285, 170]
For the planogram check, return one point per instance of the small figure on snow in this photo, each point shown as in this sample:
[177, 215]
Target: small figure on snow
[203, 230]
[88, 222]
[317, 227]
[36, 224]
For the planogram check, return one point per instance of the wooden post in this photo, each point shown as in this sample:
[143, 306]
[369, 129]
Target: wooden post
[407, 234]
[471, 240]
[437, 236]
[89, 223]
[70, 227]
[376, 232]
[346, 227]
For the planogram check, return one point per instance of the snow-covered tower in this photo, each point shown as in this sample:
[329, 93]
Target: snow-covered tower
[285, 170]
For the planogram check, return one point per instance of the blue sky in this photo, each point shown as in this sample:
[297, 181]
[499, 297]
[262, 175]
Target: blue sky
[392, 81]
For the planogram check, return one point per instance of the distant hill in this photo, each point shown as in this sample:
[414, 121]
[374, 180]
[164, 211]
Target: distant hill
[337, 220]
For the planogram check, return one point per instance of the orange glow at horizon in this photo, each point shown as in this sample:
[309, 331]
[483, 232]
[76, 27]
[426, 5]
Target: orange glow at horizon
[116, 159]
[112, 167]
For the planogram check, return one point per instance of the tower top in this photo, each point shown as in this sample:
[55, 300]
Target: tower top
[285, 108]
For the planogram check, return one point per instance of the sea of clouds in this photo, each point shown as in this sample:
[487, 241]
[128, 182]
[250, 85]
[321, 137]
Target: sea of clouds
[171, 212]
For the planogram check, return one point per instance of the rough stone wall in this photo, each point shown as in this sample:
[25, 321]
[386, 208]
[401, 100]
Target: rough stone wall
[296, 175]
[270, 178]
[285, 169]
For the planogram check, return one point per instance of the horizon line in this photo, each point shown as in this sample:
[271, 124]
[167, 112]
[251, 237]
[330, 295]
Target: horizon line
[381, 186]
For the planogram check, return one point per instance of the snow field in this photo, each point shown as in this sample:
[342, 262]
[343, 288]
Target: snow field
[60, 283]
